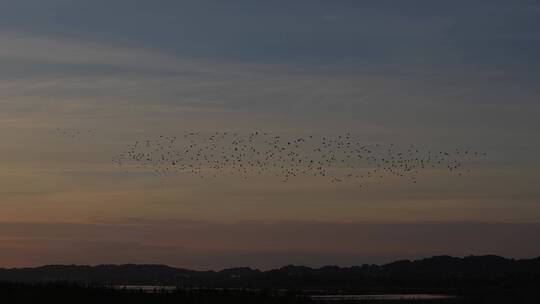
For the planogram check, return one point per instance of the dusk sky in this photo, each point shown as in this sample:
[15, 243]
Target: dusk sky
[434, 74]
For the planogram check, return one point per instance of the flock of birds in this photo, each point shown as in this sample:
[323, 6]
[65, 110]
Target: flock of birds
[340, 158]
[74, 133]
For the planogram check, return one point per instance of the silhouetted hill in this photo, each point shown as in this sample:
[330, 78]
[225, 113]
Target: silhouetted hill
[435, 272]
[475, 266]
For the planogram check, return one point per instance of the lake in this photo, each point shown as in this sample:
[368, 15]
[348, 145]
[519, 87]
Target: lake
[381, 297]
[325, 298]
[147, 288]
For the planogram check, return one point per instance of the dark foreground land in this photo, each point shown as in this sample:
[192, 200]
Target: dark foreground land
[77, 293]
[484, 279]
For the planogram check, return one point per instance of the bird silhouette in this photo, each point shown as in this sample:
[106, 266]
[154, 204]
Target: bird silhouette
[339, 159]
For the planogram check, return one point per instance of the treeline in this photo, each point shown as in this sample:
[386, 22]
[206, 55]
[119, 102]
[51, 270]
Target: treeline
[437, 274]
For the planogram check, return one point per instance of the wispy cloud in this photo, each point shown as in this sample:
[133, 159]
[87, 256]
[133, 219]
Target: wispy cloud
[429, 76]
[216, 245]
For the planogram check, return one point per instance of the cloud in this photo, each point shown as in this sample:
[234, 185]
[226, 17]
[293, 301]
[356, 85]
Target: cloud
[43, 49]
[137, 91]
[66, 74]
[70, 77]
[216, 245]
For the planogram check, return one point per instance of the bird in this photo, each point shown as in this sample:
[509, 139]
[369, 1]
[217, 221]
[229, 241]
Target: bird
[340, 158]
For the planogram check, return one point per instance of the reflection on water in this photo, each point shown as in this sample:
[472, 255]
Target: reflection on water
[381, 297]
[325, 298]
[147, 288]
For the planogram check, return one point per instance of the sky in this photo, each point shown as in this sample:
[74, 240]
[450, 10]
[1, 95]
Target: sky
[437, 74]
